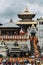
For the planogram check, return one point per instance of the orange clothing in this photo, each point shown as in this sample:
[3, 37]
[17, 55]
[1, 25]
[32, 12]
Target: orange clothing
[11, 59]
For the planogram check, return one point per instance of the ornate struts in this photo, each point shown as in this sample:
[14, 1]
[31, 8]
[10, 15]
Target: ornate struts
[34, 46]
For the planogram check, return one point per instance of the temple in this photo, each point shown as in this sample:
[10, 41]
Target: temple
[26, 20]
[17, 36]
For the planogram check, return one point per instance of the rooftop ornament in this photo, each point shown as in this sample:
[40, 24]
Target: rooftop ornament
[33, 27]
[11, 20]
[22, 32]
[26, 10]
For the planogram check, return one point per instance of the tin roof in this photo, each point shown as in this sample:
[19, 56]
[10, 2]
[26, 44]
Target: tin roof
[9, 24]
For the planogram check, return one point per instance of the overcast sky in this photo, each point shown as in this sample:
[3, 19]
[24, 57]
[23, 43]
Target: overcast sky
[10, 8]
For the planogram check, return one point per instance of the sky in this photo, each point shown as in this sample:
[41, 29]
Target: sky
[10, 8]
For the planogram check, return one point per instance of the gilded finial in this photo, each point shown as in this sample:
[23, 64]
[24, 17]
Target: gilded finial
[26, 10]
[11, 20]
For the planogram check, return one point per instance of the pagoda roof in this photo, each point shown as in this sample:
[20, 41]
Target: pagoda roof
[26, 22]
[26, 13]
[9, 25]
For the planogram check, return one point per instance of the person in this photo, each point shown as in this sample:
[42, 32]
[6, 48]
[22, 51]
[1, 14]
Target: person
[16, 62]
[39, 63]
[1, 63]
[12, 63]
[28, 63]
[7, 62]
[4, 61]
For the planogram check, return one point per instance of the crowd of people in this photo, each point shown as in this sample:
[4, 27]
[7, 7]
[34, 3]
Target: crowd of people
[17, 61]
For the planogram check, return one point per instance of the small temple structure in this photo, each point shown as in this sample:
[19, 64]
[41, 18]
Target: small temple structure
[18, 33]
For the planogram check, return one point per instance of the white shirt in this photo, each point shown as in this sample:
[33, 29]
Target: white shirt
[28, 64]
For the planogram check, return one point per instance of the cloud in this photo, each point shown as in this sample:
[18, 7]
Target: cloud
[10, 8]
[36, 8]
[40, 2]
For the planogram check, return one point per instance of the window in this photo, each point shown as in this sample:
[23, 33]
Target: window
[41, 23]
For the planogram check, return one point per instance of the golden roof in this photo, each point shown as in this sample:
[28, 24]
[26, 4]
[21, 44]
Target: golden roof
[26, 22]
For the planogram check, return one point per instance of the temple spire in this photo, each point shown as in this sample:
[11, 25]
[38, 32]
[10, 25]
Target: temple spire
[26, 10]
[11, 20]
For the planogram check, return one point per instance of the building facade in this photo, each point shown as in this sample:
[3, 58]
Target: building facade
[19, 32]
[40, 31]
